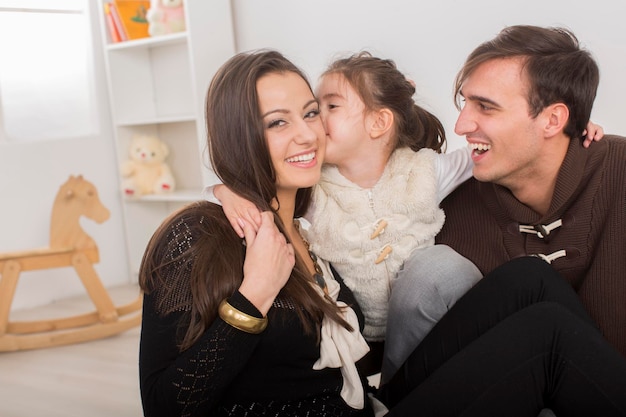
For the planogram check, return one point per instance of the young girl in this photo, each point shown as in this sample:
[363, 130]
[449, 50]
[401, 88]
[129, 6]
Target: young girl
[375, 211]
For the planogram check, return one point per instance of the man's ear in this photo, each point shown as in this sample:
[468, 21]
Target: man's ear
[380, 122]
[557, 116]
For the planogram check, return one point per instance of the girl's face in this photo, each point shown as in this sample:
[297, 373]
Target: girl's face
[293, 129]
[343, 113]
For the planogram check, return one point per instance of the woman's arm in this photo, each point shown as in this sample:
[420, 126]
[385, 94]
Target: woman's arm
[192, 382]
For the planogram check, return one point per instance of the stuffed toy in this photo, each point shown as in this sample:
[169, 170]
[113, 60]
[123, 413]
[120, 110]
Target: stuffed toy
[166, 16]
[146, 172]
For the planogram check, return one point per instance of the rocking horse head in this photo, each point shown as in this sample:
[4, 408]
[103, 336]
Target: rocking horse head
[76, 197]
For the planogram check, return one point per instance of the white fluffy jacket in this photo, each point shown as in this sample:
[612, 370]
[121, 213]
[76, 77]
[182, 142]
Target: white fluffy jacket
[344, 216]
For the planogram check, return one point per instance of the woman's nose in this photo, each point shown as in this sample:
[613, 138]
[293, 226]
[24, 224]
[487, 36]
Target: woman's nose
[306, 133]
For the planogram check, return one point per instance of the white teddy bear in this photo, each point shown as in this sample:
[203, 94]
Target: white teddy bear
[166, 16]
[146, 172]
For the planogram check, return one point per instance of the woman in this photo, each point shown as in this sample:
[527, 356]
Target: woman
[261, 327]
[258, 350]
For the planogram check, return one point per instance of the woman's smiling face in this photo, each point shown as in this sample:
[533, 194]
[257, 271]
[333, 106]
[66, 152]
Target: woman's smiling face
[293, 129]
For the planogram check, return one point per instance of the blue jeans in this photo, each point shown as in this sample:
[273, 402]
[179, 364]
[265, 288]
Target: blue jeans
[430, 281]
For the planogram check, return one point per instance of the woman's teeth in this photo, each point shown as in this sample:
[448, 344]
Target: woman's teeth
[302, 158]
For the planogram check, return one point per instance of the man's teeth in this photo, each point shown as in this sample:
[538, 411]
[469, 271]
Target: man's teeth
[479, 147]
[302, 158]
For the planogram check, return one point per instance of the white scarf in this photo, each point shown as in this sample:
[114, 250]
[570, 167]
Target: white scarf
[340, 348]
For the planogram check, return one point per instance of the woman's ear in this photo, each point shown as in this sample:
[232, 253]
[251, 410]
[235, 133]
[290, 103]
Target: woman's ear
[380, 122]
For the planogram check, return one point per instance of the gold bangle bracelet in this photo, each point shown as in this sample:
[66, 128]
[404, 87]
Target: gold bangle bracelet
[239, 320]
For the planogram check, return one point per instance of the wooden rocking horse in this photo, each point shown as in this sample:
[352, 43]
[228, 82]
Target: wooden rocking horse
[69, 246]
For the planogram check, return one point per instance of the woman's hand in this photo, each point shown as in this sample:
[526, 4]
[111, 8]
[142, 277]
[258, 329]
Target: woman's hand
[268, 264]
[237, 208]
[592, 133]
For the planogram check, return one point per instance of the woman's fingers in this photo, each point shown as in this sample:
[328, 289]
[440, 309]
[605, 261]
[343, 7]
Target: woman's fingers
[268, 264]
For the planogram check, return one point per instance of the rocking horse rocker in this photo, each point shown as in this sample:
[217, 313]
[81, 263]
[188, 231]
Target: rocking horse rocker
[69, 246]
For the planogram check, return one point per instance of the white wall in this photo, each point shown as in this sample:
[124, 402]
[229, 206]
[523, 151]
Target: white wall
[30, 175]
[429, 40]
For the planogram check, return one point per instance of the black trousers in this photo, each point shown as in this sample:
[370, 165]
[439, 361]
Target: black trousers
[517, 342]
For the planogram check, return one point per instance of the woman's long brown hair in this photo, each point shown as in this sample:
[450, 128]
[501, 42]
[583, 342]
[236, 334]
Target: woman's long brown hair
[241, 159]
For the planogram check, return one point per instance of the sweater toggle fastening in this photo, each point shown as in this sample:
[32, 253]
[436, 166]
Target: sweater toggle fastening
[383, 254]
[379, 228]
[541, 230]
[551, 257]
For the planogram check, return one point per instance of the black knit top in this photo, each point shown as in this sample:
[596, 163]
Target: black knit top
[228, 372]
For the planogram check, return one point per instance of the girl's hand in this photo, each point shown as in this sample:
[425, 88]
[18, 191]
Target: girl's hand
[237, 208]
[592, 133]
[268, 264]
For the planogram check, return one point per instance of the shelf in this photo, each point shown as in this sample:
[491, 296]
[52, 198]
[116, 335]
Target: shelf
[152, 84]
[157, 87]
[149, 42]
[157, 120]
[188, 195]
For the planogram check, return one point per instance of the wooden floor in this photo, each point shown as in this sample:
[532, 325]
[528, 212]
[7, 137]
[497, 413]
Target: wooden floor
[93, 379]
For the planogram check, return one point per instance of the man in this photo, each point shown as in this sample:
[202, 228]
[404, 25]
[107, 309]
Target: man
[527, 97]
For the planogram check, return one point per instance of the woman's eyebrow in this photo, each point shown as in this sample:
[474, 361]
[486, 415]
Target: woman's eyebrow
[285, 111]
[308, 103]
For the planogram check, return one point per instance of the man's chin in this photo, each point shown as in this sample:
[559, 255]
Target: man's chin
[481, 175]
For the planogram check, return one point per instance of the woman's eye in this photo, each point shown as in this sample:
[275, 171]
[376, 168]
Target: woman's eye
[312, 114]
[332, 106]
[275, 123]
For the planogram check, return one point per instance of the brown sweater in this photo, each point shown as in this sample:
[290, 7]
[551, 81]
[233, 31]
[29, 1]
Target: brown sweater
[483, 223]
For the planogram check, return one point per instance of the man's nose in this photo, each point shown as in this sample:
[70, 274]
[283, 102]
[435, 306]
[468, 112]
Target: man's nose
[464, 123]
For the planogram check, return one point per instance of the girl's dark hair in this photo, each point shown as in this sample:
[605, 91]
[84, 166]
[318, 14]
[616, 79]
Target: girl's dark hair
[241, 159]
[558, 70]
[380, 84]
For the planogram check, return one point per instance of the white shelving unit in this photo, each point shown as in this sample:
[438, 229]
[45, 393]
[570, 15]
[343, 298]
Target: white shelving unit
[157, 85]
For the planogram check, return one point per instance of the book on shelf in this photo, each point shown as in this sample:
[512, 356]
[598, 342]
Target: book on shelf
[111, 26]
[132, 14]
[117, 20]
